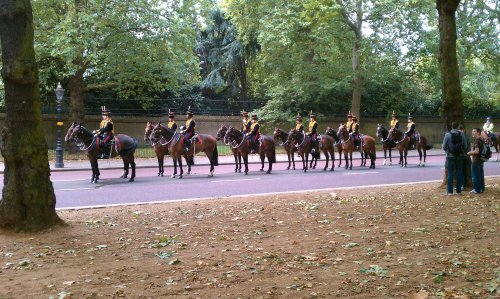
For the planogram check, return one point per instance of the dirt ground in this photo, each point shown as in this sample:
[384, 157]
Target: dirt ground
[397, 242]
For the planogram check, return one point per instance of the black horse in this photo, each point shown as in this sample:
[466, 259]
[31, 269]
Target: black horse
[124, 146]
[387, 143]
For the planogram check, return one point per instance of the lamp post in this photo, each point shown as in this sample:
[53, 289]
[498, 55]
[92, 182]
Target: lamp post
[59, 149]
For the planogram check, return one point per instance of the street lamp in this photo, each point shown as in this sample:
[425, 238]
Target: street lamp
[59, 149]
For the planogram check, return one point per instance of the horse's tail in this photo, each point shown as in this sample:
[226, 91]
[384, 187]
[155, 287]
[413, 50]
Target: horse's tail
[215, 156]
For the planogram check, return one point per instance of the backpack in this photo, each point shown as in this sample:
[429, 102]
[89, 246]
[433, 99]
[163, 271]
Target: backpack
[485, 153]
[455, 147]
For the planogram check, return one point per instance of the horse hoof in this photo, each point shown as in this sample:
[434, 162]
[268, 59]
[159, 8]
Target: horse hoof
[293, 168]
[261, 169]
[324, 169]
[390, 163]
[246, 173]
[288, 168]
[404, 166]
[350, 168]
[305, 170]
[239, 170]
[95, 181]
[173, 176]
[131, 180]
[236, 170]
[180, 177]
[268, 172]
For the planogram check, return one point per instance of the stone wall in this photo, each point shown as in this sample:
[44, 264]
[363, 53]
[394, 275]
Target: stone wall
[432, 128]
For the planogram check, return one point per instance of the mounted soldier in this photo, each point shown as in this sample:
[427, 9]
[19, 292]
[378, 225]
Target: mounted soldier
[394, 120]
[348, 124]
[105, 132]
[411, 131]
[246, 123]
[355, 131]
[488, 130]
[254, 134]
[299, 126]
[313, 134]
[189, 130]
[172, 125]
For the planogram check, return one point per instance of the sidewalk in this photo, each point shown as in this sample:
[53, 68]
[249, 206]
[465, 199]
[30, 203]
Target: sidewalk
[201, 159]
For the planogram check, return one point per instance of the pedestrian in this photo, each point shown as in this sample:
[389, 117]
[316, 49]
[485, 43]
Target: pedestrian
[467, 163]
[477, 166]
[454, 143]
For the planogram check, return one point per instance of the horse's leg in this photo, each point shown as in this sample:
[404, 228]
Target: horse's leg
[289, 159]
[332, 155]
[419, 150]
[307, 159]
[401, 157]
[327, 156]
[235, 161]
[181, 171]
[268, 155]
[406, 157]
[293, 159]
[212, 166]
[262, 156]
[132, 164]
[245, 160]
[350, 160]
[92, 166]
[340, 157]
[159, 158]
[125, 167]
[390, 155]
[362, 157]
[188, 158]
[385, 154]
[346, 159]
[174, 159]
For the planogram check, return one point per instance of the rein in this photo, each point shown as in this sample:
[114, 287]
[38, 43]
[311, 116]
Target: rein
[163, 144]
[403, 139]
[281, 137]
[81, 144]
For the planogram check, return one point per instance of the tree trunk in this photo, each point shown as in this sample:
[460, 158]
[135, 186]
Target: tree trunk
[28, 199]
[76, 112]
[357, 82]
[452, 104]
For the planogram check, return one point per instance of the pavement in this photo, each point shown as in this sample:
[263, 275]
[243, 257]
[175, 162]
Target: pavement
[201, 159]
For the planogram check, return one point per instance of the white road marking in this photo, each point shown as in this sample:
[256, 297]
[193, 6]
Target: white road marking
[237, 180]
[74, 189]
[74, 180]
[351, 173]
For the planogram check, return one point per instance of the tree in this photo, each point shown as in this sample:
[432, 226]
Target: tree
[136, 48]
[28, 200]
[453, 108]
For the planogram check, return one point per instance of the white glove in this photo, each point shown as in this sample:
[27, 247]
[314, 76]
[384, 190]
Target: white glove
[94, 132]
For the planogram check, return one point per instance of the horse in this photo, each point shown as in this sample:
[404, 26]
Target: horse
[367, 147]
[303, 144]
[124, 146]
[221, 133]
[494, 144]
[403, 145]
[387, 144]
[175, 143]
[281, 137]
[331, 132]
[326, 145]
[159, 149]
[238, 141]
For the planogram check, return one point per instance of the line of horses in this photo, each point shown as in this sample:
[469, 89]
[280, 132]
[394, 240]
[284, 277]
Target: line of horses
[168, 142]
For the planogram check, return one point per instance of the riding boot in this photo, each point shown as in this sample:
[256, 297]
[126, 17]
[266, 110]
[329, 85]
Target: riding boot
[187, 144]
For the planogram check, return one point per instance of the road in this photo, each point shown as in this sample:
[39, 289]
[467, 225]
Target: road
[74, 191]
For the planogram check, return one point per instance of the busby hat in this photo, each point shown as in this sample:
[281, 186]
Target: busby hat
[170, 114]
[189, 111]
[409, 116]
[394, 113]
[312, 115]
[244, 113]
[488, 118]
[349, 115]
[105, 111]
[254, 116]
[299, 117]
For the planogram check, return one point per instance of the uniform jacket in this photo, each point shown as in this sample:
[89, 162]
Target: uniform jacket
[254, 128]
[411, 127]
[313, 127]
[348, 125]
[299, 127]
[395, 123]
[245, 127]
[190, 124]
[488, 127]
[172, 125]
[106, 126]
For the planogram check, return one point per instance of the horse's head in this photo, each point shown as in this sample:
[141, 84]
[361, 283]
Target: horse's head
[392, 133]
[147, 131]
[76, 132]
[156, 133]
[330, 131]
[380, 129]
[68, 137]
[342, 130]
[221, 132]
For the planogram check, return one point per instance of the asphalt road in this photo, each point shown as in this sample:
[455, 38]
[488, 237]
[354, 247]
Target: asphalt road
[73, 189]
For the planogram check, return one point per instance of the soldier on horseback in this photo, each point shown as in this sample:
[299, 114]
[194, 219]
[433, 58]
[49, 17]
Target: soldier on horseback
[254, 134]
[172, 125]
[247, 123]
[348, 124]
[488, 130]
[411, 131]
[299, 126]
[188, 130]
[105, 132]
[394, 120]
[355, 131]
[313, 134]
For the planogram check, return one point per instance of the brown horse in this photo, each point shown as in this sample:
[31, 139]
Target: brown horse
[240, 142]
[332, 133]
[367, 147]
[281, 137]
[303, 144]
[387, 143]
[175, 143]
[403, 145]
[326, 145]
[160, 150]
[495, 144]
[221, 133]
[124, 146]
